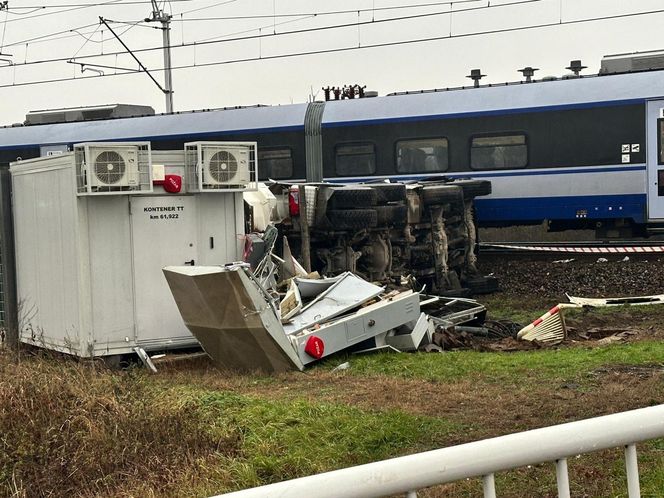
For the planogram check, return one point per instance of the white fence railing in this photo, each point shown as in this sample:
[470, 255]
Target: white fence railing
[482, 458]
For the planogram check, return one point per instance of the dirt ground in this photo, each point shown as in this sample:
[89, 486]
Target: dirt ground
[586, 276]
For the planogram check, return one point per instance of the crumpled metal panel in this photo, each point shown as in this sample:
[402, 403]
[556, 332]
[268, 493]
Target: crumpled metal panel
[229, 314]
[349, 292]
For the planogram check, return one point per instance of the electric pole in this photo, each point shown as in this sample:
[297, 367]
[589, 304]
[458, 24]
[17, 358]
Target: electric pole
[165, 20]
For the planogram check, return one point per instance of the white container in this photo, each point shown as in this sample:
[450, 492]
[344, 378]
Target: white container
[89, 268]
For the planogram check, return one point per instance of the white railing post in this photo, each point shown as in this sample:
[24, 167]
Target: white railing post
[632, 467]
[489, 485]
[562, 478]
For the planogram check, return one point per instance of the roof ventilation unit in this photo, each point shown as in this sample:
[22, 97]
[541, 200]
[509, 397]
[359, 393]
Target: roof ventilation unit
[576, 67]
[221, 166]
[113, 168]
[476, 75]
[528, 73]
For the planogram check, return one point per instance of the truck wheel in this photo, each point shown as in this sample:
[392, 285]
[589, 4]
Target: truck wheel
[346, 219]
[352, 197]
[391, 215]
[390, 192]
[441, 194]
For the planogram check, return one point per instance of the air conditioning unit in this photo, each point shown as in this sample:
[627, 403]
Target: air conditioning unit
[221, 165]
[113, 167]
[225, 166]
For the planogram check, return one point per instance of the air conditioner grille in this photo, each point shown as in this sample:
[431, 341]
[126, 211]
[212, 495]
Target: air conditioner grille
[109, 167]
[223, 166]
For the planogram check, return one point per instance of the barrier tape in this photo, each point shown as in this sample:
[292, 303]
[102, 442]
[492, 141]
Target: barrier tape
[583, 250]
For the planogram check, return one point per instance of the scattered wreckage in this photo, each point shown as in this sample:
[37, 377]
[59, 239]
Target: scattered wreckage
[550, 328]
[376, 243]
[380, 231]
[243, 326]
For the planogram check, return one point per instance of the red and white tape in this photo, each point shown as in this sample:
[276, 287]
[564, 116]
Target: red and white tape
[583, 250]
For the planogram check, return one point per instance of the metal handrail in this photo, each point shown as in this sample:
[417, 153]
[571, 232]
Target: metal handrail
[482, 459]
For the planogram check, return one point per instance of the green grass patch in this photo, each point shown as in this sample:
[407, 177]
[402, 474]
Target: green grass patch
[498, 367]
[287, 439]
[67, 429]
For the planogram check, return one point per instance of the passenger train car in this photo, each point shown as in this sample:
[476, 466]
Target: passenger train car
[581, 152]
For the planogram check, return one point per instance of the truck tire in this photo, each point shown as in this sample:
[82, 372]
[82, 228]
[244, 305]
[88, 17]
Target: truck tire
[351, 219]
[435, 195]
[474, 188]
[391, 215]
[352, 197]
[390, 192]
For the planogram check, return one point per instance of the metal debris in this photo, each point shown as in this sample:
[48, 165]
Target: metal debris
[616, 301]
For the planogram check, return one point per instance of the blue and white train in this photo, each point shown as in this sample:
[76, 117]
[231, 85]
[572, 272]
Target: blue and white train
[581, 152]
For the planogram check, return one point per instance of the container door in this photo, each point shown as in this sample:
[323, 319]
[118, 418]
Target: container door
[655, 127]
[164, 230]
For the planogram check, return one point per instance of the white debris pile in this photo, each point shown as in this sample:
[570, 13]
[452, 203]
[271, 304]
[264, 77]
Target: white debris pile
[244, 323]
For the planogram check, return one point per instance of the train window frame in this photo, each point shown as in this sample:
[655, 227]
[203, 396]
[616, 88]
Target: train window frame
[660, 142]
[499, 135]
[276, 149]
[341, 145]
[421, 139]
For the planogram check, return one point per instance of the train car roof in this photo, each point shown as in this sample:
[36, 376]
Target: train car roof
[162, 126]
[581, 92]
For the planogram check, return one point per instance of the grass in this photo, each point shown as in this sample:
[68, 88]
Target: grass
[71, 428]
[570, 363]
[283, 440]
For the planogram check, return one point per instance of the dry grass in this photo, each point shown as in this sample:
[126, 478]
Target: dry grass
[72, 428]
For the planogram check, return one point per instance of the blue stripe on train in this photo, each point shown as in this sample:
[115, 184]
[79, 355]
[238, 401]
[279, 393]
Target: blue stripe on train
[496, 174]
[562, 208]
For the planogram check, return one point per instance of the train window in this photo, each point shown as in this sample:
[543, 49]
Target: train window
[355, 159]
[499, 152]
[429, 155]
[275, 163]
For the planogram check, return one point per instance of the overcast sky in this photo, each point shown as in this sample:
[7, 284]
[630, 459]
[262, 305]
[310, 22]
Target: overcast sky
[433, 64]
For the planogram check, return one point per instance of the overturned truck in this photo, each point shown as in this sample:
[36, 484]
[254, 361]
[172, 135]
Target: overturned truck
[387, 231]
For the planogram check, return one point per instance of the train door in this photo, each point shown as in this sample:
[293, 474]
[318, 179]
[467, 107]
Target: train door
[655, 159]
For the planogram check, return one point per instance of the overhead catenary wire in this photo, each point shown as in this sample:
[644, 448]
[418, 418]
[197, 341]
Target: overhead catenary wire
[63, 11]
[216, 40]
[350, 48]
[74, 7]
[50, 36]
[329, 13]
[47, 37]
[85, 5]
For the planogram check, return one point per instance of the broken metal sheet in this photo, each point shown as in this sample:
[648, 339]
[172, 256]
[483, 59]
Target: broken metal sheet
[145, 359]
[616, 301]
[411, 337]
[312, 287]
[344, 295]
[231, 316]
[452, 311]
